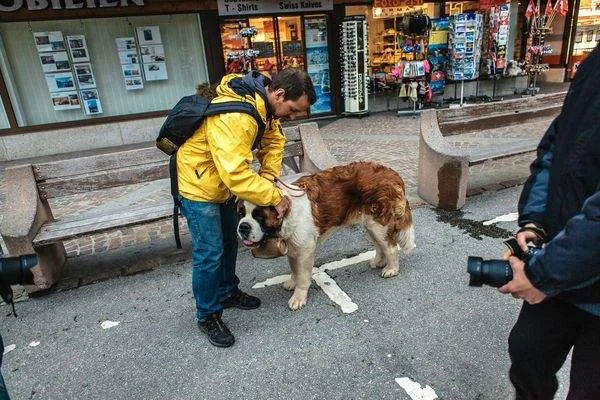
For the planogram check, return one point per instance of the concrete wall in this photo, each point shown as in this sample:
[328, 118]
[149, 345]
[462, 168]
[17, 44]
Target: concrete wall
[77, 139]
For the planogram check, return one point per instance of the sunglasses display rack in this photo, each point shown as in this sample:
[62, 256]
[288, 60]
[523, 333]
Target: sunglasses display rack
[355, 65]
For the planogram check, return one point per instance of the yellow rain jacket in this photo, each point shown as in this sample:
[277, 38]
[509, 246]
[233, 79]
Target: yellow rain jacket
[216, 161]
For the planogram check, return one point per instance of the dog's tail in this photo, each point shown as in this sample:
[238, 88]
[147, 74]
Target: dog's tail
[404, 226]
[406, 239]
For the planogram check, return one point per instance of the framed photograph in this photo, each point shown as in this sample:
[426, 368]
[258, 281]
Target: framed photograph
[60, 82]
[65, 100]
[76, 42]
[134, 83]
[89, 94]
[91, 102]
[79, 55]
[130, 70]
[86, 81]
[83, 69]
[49, 41]
[153, 53]
[125, 43]
[148, 35]
[55, 61]
[156, 71]
[128, 57]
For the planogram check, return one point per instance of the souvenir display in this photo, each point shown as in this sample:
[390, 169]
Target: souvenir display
[437, 54]
[355, 65]
[464, 43]
[497, 39]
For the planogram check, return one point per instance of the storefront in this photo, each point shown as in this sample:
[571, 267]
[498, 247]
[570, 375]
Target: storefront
[466, 41]
[270, 36]
[96, 64]
[587, 33]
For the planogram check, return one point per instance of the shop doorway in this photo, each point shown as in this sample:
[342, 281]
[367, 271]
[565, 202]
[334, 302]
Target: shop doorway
[280, 42]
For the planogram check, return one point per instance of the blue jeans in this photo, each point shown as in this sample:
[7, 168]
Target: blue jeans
[214, 252]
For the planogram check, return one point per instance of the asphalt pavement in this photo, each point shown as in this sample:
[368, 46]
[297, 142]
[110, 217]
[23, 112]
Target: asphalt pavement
[426, 324]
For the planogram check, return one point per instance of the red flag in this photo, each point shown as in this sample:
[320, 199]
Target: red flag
[548, 11]
[563, 7]
[531, 10]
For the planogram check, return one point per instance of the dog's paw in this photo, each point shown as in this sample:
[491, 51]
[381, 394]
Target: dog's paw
[290, 284]
[377, 262]
[388, 272]
[296, 303]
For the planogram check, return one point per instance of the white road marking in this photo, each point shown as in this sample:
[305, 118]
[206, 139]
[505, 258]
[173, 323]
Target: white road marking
[367, 255]
[415, 391]
[9, 348]
[503, 218]
[333, 291]
[34, 344]
[272, 281]
[326, 282]
[109, 324]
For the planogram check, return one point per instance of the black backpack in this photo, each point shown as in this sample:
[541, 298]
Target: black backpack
[181, 123]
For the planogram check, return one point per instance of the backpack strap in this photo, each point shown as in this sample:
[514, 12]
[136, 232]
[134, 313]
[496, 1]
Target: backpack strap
[241, 107]
[175, 194]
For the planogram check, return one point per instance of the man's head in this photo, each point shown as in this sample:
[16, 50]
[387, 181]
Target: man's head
[291, 93]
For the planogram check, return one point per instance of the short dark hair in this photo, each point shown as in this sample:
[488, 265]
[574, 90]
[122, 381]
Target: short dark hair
[295, 82]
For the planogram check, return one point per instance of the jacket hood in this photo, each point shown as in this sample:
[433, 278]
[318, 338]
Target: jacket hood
[251, 87]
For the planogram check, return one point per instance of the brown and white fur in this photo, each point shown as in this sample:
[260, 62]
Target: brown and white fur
[358, 193]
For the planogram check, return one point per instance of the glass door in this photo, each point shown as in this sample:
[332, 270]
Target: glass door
[265, 43]
[291, 48]
[317, 61]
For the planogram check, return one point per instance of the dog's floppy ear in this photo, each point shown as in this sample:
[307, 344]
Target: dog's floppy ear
[239, 206]
[287, 203]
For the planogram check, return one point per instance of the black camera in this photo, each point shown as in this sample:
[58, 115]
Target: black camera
[15, 271]
[496, 273]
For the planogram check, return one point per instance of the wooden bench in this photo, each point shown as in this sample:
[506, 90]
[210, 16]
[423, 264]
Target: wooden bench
[443, 173]
[29, 225]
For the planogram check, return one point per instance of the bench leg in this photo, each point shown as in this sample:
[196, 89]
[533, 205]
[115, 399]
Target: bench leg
[51, 261]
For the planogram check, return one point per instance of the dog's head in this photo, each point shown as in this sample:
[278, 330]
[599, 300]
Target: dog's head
[256, 223]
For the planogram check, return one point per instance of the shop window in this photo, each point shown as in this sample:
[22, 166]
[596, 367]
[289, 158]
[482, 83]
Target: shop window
[167, 64]
[587, 34]
[554, 39]
[3, 117]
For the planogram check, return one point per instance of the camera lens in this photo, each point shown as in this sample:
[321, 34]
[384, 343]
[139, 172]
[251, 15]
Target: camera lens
[17, 270]
[495, 273]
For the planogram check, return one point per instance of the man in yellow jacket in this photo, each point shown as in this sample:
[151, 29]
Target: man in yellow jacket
[214, 165]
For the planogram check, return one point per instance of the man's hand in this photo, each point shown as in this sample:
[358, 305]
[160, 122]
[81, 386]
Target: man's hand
[283, 207]
[520, 287]
[525, 237]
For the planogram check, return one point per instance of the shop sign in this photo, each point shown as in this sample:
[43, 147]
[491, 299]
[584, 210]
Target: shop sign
[245, 7]
[396, 3]
[35, 5]
[390, 12]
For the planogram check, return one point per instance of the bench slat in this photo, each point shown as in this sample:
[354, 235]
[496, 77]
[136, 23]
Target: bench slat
[120, 175]
[98, 163]
[63, 230]
[508, 150]
[67, 186]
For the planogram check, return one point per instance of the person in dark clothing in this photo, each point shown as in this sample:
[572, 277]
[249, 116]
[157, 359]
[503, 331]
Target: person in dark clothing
[560, 205]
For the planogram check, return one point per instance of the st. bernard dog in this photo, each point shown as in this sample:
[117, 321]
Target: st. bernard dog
[358, 193]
